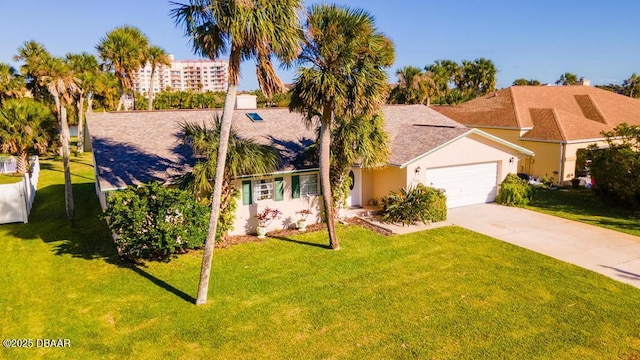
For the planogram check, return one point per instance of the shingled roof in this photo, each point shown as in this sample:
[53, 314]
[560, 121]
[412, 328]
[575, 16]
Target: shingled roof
[550, 113]
[136, 147]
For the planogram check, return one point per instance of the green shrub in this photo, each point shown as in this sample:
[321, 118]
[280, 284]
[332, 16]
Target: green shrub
[154, 222]
[421, 203]
[514, 191]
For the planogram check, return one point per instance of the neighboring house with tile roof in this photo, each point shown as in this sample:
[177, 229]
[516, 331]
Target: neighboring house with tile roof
[425, 146]
[553, 121]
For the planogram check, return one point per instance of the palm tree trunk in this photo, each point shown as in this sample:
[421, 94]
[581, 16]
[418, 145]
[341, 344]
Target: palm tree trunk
[80, 144]
[150, 105]
[227, 118]
[64, 138]
[325, 175]
[23, 161]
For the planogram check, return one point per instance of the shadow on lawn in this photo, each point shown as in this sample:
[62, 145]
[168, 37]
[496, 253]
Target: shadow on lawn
[88, 239]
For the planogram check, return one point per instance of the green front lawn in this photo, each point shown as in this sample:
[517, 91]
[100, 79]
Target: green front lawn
[446, 293]
[585, 206]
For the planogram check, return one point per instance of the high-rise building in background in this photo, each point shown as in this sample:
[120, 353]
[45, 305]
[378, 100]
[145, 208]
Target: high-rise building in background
[182, 75]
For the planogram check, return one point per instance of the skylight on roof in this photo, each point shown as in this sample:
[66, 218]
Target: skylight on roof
[254, 117]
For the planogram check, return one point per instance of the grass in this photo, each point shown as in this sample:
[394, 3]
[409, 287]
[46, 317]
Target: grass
[585, 206]
[447, 293]
[10, 178]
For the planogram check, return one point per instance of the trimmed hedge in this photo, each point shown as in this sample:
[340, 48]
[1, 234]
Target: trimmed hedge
[409, 206]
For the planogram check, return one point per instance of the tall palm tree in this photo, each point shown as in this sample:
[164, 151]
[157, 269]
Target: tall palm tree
[62, 85]
[11, 83]
[243, 27]
[476, 77]
[124, 51]
[156, 56]
[85, 68]
[34, 56]
[345, 77]
[414, 86]
[25, 125]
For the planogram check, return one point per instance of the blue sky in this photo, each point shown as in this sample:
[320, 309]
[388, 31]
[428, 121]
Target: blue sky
[531, 39]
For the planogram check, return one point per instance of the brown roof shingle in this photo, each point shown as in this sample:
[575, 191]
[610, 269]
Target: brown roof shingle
[581, 112]
[136, 147]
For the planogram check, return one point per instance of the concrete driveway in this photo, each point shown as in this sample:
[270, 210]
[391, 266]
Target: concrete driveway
[607, 252]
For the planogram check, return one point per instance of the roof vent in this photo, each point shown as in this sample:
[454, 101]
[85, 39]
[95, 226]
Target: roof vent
[255, 117]
[436, 126]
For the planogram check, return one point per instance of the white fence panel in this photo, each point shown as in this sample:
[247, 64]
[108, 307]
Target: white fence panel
[8, 165]
[16, 199]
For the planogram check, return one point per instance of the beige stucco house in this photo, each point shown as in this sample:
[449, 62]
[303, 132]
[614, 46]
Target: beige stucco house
[555, 122]
[425, 147]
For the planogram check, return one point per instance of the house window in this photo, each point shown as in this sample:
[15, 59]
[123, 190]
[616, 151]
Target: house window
[262, 189]
[309, 185]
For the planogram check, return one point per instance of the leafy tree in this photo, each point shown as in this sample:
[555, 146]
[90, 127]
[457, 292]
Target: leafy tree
[567, 79]
[248, 29]
[616, 88]
[34, 56]
[525, 82]
[244, 157]
[155, 222]
[124, 51]
[11, 83]
[26, 125]
[345, 77]
[156, 56]
[616, 168]
[106, 93]
[631, 86]
[85, 68]
[514, 191]
[414, 86]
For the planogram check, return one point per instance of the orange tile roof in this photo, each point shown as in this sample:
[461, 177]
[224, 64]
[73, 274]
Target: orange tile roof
[552, 113]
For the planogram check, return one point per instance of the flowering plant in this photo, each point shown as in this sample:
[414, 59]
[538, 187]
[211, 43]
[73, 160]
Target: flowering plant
[304, 213]
[267, 216]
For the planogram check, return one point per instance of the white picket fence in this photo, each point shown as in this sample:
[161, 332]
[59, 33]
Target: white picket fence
[16, 199]
[8, 165]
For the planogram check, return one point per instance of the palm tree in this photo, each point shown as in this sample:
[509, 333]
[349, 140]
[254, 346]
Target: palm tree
[243, 27]
[346, 77]
[62, 85]
[25, 125]
[124, 51]
[632, 85]
[443, 73]
[525, 82]
[414, 86]
[85, 67]
[567, 79]
[244, 157]
[34, 55]
[11, 83]
[156, 56]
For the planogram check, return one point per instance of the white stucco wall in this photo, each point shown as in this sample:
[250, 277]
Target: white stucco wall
[246, 222]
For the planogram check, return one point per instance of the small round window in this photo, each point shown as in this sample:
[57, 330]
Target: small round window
[352, 176]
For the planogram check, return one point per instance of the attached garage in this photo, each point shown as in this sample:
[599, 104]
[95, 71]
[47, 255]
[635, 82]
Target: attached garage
[467, 184]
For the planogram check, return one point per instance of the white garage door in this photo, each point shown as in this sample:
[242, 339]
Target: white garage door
[467, 184]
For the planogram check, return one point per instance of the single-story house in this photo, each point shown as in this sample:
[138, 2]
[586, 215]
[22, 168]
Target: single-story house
[425, 147]
[555, 122]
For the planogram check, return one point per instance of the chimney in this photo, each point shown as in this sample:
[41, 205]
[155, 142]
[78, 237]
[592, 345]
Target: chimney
[246, 101]
[584, 82]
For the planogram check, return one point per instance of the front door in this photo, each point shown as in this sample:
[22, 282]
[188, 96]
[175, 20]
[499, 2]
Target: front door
[355, 190]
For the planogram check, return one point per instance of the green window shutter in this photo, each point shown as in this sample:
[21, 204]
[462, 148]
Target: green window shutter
[295, 186]
[279, 189]
[246, 192]
[319, 185]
